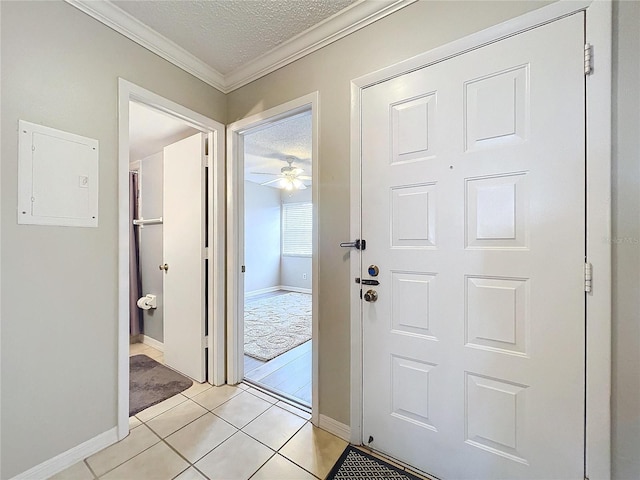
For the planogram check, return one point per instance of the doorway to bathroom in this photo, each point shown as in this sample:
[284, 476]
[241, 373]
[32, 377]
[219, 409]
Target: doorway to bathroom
[171, 239]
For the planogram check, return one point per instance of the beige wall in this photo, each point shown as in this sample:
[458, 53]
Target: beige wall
[626, 241]
[60, 68]
[413, 30]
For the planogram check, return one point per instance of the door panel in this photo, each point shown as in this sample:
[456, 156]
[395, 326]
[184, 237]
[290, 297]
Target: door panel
[183, 238]
[473, 174]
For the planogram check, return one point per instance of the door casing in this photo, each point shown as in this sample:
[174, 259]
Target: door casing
[235, 235]
[127, 92]
[598, 135]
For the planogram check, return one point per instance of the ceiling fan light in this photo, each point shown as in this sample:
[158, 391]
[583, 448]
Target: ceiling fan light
[282, 183]
[298, 184]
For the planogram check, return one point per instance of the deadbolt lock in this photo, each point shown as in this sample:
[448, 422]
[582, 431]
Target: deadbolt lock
[370, 296]
[373, 270]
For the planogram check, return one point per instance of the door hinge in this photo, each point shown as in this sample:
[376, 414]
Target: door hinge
[243, 269]
[205, 254]
[205, 341]
[588, 59]
[588, 277]
[205, 162]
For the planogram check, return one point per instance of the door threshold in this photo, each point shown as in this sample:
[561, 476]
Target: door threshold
[291, 400]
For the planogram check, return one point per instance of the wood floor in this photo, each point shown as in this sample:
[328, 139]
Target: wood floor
[288, 374]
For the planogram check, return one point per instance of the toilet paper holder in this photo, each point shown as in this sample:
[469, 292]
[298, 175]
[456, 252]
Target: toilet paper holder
[147, 302]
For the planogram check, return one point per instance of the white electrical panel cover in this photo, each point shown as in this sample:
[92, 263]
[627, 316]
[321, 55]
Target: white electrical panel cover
[57, 177]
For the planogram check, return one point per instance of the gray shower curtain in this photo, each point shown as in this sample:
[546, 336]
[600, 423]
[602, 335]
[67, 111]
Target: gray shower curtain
[135, 283]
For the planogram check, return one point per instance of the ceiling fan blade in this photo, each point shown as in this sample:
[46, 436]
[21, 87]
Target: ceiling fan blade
[263, 173]
[304, 177]
[270, 181]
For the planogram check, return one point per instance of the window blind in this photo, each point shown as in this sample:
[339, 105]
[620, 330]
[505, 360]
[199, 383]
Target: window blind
[296, 228]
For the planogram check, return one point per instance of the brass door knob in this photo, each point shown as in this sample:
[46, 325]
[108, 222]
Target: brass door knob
[164, 267]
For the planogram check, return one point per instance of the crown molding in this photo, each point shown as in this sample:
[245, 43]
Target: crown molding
[132, 28]
[359, 15]
[334, 28]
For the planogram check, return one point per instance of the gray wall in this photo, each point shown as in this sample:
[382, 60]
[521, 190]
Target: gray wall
[626, 241]
[53, 75]
[261, 237]
[60, 68]
[415, 29]
[151, 242]
[293, 268]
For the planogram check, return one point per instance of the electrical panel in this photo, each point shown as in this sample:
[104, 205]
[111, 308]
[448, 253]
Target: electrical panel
[57, 177]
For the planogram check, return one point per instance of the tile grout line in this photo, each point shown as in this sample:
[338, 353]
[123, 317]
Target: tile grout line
[207, 410]
[90, 469]
[130, 458]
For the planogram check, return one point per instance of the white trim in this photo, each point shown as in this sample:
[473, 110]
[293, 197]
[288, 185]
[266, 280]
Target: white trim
[598, 422]
[217, 257]
[355, 17]
[262, 291]
[287, 288]
[235, 233]
[132, 28]
[127, 92]
[72, 456]
[296, 289]
[335, 427]
[152, 342]
[493, 34]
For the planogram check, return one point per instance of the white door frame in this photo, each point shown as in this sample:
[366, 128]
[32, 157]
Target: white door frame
[127, 92]
[598, 135]
[235, 233]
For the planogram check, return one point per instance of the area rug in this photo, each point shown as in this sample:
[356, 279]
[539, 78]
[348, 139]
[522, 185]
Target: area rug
[151, 382]
[274, 325]
[355, 464]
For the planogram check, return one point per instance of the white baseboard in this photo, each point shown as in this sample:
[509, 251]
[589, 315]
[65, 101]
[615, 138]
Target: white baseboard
[333, 426]
[288, 288]
[152, 342]
[63, 461]
[295, 289]
[255, 293]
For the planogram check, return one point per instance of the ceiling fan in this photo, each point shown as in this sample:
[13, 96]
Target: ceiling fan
[289, 178]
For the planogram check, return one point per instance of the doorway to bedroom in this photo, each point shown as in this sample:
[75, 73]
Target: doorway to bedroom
[278, 248]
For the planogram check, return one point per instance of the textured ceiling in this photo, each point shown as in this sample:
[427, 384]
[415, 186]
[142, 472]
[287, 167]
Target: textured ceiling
[151, 130]
[227, 34]
[266, 149]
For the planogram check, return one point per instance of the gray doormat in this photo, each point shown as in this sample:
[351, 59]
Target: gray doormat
[151, 382]
[355, 464]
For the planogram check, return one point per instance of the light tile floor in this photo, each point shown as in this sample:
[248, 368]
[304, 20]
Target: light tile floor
[228, 432]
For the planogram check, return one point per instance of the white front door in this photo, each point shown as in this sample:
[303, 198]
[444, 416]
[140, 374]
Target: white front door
[473, 208]
[183, 248]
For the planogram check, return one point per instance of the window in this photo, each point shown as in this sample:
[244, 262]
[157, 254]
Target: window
[296, 229]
